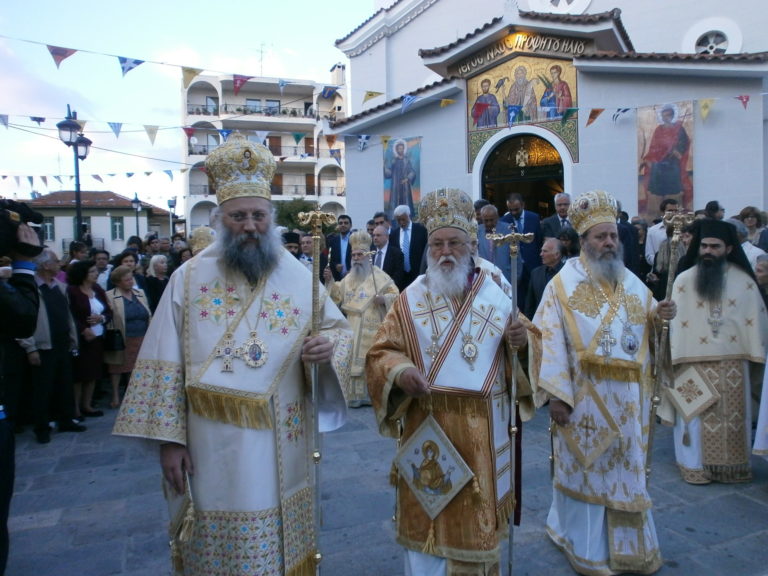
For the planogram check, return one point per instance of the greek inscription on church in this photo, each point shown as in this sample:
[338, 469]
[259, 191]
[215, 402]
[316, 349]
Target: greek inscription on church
[522, 43]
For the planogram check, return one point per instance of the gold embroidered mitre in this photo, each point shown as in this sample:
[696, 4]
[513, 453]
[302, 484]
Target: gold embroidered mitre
[240, 168]
[591, 208]
[201, 237]
[447, 208]
[360, 240]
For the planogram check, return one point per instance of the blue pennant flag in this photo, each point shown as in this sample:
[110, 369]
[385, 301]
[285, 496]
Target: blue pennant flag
[128, 64]
[408, 99]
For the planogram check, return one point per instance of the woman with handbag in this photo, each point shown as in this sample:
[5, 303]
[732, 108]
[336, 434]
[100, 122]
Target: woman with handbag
[90, 309]
[130, 315]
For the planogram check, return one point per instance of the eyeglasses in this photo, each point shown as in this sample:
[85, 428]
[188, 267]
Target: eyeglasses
[441, 244]
[240, 217]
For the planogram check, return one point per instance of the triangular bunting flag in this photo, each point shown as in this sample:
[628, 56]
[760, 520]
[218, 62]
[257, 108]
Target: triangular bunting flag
[336, 155]
[297, 136]
[97, 177]
[116, 127]
[31, 181]
[189, 131]
[567, 114]
[225, 133]
[45, 180]
[38, 119]
[148, 173]
[385, 140]
[328, 91]
[184, 170]
[370, 94]
[512, 114]
[60, 54]
[151, 132]
[129, 174]
[744, 99]
[446, 102]
[4, 119]
[18, 181]
[58, 178]
[331, 140]
[594, 114]
[189, 74]
[705, 107]
[362, 141]
[170, 174]
[128, 64]
[408, 99]
[281, 84]
[261, 136]
[619, 112]
[239, 81]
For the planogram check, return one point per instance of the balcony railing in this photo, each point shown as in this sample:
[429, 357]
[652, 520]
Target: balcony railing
[282, 111]
[277, 151]
[199, 189]
[203, 109]
[283, 190]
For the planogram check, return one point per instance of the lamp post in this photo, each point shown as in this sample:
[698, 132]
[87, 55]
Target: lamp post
[71, 133]
[171, 208]
[136, 203]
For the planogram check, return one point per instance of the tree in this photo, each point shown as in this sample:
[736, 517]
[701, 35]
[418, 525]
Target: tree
[288, 212]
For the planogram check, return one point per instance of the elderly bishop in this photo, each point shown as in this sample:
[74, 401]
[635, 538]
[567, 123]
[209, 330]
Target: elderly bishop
[220, 386]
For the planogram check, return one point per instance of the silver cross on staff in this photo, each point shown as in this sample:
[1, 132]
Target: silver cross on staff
[513, 239]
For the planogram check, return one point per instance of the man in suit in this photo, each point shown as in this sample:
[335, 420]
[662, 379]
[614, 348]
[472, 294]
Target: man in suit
[388, 256]
[553, 257]
[381, 219]
[551, 225]
[524, 221]
[411, 237]
[338, 244]
[496, 255]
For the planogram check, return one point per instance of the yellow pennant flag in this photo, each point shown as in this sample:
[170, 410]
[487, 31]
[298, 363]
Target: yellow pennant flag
[151, 132]
[446, 102]
[385, 140]
[705, 107]
[370, 94]
[189, 74]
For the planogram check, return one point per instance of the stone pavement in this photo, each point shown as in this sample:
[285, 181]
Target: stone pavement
[90, 504]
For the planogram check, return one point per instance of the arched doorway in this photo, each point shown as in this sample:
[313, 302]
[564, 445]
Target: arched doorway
[527, 164]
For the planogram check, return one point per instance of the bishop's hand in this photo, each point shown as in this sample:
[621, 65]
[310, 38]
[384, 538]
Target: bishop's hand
[413, 382]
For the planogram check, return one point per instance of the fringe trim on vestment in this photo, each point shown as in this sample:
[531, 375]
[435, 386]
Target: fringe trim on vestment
[307, 567]
[184, 533]
[729, 474]
[455, 404]
[429, 545]
[240, 411]
[176, 559]
[620, 370]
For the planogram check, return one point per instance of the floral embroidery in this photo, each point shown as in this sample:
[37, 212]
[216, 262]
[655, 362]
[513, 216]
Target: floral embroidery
[294, 422]
[216, 301]
[280, 314]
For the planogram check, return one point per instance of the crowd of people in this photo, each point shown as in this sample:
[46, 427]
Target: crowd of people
[453, 339]
[71, 363]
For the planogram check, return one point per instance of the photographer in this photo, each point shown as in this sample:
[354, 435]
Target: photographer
[18, 310]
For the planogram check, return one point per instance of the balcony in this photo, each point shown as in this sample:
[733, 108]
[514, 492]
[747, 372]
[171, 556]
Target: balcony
[294, 153]
[199, 190]
[303, 190]
[269, 111]
[202, 109]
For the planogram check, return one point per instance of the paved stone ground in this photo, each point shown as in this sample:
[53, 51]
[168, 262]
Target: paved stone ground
[90, 504]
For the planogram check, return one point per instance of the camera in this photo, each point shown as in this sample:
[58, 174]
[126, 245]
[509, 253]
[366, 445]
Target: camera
[12, 214]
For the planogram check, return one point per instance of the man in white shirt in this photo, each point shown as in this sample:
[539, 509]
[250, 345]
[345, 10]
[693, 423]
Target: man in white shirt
[658, 233]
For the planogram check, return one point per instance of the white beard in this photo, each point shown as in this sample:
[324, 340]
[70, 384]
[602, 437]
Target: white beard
[360, 271]
[608, 269]
[451, 284]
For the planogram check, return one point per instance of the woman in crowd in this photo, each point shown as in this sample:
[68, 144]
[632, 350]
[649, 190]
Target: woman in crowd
[130, 259]
[570, 239]
[157, 280]
[183, 255]
[91, 312]
[753, 220]
[643, 268]
[130, 315]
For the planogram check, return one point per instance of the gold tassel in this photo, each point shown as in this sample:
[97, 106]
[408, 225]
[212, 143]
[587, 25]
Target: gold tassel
[187, 529]
[429, 545]
[176, 560]
[239, 411]
[477, 495]
[393, 474]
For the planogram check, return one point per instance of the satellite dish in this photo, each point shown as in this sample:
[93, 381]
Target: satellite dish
[193, 140]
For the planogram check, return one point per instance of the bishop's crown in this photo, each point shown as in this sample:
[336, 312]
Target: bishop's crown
[240, 169]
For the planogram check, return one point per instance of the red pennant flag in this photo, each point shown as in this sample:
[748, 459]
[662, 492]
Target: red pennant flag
[331, 140]
[744, 99]
[239, 81]
[594, 114]
[60, 54]
[189, 131]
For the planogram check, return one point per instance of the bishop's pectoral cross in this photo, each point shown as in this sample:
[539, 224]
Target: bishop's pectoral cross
[607, 341]
[715, 321]
[227, 351]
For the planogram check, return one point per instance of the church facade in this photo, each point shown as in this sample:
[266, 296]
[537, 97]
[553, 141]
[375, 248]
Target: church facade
[642, 99]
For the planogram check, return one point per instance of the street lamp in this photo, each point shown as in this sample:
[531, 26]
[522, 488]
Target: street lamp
[71, 133]
[136, 203]
[171, 208]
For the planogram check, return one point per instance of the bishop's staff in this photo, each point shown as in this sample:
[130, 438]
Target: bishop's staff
[677, 220]
[315, 220]
[513, 239]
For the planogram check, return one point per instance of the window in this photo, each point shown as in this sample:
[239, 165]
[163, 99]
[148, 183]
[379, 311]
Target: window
[48, 229]
[253, 105]
[117, 228]
[212, 105]
[273, 107]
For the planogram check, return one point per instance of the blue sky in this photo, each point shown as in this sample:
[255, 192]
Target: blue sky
[289, 39]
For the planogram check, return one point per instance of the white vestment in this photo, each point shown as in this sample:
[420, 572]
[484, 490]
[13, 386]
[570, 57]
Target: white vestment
[248, 428]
